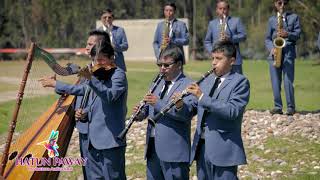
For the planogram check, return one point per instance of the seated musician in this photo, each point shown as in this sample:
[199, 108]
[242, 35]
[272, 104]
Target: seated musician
[168, 143]
[105, 111]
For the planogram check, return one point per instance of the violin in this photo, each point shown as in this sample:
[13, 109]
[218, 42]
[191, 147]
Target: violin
[101, 72]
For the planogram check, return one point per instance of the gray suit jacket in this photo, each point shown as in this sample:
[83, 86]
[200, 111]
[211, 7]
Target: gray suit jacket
[106, 108]
[223, 142]
[121, 44]
[235, 31]
[172, 131]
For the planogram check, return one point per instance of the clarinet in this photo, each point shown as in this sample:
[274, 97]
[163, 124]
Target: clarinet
[184, 93]
[142, 103]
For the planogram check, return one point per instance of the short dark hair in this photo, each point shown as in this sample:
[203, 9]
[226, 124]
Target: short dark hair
[227, 47]
[172, 4]
[285, 1]
[104, 45]
[102, 36]
[226, 1]
[108, 10]
[174, 52]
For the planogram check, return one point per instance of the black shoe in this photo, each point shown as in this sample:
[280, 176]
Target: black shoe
[276, 111]
[290, 112]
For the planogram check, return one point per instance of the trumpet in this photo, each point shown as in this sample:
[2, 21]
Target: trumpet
[172, 103]
[142, 103]
[278, 43]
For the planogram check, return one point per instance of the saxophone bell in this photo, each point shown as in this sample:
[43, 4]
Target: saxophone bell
[278, 43]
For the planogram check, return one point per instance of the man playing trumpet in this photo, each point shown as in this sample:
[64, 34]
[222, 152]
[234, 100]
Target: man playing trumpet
[225, 27]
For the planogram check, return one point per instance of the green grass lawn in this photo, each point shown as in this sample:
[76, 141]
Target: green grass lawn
[140, 74]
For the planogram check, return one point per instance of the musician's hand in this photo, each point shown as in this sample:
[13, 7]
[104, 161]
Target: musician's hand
[85, 72]
[150, 99]
[179, 103]
[194, 89]
[80, 114]
[167, 40]
[48, 81]
[136, 108]
[283, 33]
[272, 51]
[225, 38]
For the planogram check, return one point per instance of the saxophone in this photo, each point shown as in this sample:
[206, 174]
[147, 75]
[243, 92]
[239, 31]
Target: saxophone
[278, 43]
[222, 28]
[165, 34]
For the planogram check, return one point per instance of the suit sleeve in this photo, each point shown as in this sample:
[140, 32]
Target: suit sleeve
[268, 39]
[110, 94]
[231, 109]
[123, 46]
[294, 35]
[208, 40]
[156, 42]
[241, 34]
[183, 39]
[63, 88]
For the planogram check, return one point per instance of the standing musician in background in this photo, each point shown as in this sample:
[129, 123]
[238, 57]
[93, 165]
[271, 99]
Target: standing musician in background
[290, 32]
[221, 100]
[168, 142]
[82, 126]
[105, 111]
[171, 31]
[225, 27]
[117, 36]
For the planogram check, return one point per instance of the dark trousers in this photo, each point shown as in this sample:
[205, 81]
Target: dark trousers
[287, 69]
[84, 143]
[108, 164]
[208, 171]
[158, 170]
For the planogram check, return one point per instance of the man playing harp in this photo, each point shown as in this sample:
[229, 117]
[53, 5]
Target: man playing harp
[96, 142]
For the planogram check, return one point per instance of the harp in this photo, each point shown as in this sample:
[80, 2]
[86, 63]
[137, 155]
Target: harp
[59, 117]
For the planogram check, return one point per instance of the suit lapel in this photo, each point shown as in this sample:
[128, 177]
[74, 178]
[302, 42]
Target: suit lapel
[175, 85]
[223, 85]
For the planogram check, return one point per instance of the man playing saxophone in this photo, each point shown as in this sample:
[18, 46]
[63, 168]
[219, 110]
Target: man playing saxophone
[225, 27]
[290, 32]
[171, 31]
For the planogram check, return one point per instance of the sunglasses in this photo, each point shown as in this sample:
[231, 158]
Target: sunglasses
[165, 65]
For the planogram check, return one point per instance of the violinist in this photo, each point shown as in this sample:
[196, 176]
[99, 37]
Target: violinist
[95, 36]
[105, 111]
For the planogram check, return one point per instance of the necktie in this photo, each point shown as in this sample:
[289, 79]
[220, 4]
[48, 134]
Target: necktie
[214, 87]
[165, 89]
